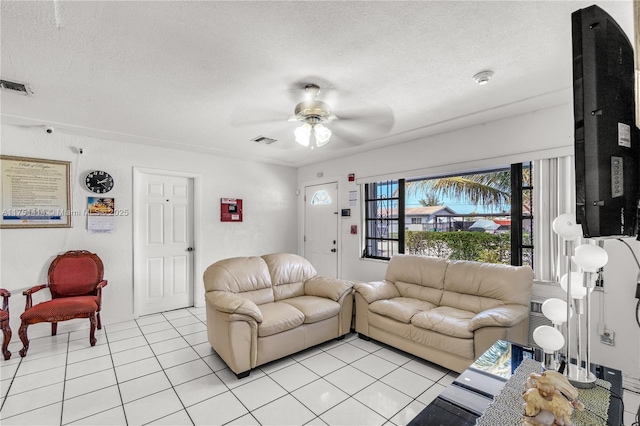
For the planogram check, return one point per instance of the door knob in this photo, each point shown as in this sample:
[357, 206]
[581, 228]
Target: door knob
[333, 250]
[190, 249]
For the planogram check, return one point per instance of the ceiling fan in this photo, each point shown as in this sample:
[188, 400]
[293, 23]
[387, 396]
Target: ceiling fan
[312, 113]
[343, 117]
[367, 121]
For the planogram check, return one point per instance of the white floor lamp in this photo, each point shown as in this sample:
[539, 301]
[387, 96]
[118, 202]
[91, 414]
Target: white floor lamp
[590, 258]
[566, 227]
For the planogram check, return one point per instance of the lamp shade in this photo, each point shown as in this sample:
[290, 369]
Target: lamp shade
[322, 134]
[578, 290]
[548, 338]
[565, 225]
[555, 310]
[590, 257]
[303, 134]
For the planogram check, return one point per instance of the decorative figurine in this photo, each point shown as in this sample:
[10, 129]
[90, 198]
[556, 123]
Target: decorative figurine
[549, 400]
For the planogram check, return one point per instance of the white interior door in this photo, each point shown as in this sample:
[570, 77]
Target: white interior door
[321, 228]
[164, 249]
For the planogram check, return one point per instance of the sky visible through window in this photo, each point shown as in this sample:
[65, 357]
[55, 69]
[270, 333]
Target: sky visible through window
[455, 205]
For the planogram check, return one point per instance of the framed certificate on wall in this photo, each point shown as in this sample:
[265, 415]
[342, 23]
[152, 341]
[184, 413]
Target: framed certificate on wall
[36, 193]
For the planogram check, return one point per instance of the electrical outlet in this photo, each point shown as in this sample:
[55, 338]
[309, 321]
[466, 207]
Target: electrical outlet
[608, 338]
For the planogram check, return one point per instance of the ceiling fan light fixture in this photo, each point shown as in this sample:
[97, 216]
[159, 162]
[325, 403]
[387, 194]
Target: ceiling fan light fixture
[303, 134]
[312, 113]
[322, 133]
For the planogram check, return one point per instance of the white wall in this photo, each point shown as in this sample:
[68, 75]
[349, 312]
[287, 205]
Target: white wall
[268, 193]
[545, 133]
[619, 304]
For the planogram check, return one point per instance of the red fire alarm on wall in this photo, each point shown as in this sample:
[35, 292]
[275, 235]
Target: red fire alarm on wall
[231, 210]
[352, 177]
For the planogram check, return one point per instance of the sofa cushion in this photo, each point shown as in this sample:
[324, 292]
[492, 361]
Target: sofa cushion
[389, 325]
[278, 317]
[419, 277]
[400, 308]
[246, 276]
[288, 273]
[476, 286]
[314, 308]
[445, 320]
[454, 345]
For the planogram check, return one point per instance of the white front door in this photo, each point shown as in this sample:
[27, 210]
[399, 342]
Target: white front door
[321, 228]
[164, 248]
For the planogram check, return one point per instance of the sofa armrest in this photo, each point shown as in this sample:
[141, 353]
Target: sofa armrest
[500, 316]
[330, 288]
[377, 290]
[231, 303]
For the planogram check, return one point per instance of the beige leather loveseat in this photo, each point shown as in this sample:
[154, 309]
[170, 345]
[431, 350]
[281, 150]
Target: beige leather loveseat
[447, 312]
[263, 308]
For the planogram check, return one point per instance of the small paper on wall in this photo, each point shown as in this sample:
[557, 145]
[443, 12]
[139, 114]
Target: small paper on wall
[353, 198]
[101, 215]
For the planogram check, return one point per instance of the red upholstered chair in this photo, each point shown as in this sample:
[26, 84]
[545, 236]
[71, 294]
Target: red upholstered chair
[75, 281]
[4, 322]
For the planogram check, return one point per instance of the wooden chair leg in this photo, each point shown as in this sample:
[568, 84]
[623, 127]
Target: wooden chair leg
[6, 330]
[99, 322]
[54, 328]
[23, 337]
[92, 332]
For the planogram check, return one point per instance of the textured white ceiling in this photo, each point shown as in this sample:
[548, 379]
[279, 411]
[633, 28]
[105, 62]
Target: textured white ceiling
[210, 76]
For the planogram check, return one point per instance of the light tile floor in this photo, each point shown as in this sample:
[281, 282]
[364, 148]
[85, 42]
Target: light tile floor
[161, 370]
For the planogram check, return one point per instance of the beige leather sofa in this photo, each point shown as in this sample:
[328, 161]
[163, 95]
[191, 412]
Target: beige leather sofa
[263, 308]
[447, 312]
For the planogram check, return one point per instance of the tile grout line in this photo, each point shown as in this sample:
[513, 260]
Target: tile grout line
[64, 380]
[164, 370]
[397, 366]
[95, 390]
[13, 377]
[113, 365]
[223, 382]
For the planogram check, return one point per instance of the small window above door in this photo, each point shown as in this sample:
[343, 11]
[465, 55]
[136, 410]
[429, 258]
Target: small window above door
[321, 197]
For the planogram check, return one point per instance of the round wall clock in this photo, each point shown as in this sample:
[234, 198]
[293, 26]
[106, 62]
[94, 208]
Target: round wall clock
[99, 182]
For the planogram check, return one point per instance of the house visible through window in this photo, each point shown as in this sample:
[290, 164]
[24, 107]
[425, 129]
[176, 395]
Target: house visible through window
[486, 216]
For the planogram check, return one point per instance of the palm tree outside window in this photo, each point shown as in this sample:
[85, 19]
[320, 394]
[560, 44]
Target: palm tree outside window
[488, 216]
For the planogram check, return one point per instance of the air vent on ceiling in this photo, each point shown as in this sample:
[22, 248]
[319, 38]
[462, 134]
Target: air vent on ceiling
[13, 86]
[264, 139]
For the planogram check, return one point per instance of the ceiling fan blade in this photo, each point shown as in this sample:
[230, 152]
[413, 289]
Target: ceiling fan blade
[341, 137]
[254, 116]
[359, 128]
[377, 120]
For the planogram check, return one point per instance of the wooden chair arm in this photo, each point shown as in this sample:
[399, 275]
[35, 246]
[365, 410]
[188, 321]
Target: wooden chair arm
[6, 294]
[99, 287]
[34, 289]
[29, 292]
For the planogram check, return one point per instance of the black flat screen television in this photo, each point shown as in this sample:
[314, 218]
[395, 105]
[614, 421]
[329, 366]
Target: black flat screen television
[606, 138]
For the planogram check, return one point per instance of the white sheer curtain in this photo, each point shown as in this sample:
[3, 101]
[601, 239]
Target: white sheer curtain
[554, 194]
